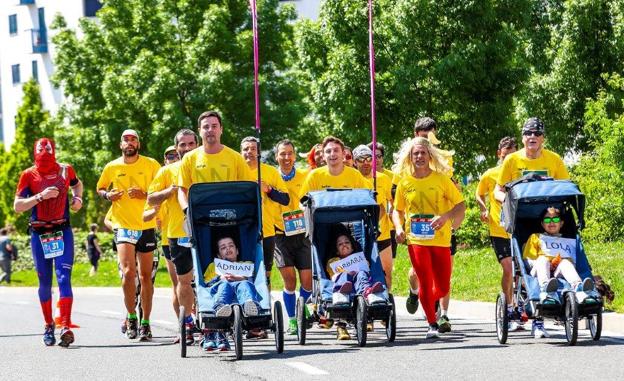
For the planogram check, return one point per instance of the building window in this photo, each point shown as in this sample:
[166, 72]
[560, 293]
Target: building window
[35, 70]
[12, 24]
[91, 7]
[15, 70]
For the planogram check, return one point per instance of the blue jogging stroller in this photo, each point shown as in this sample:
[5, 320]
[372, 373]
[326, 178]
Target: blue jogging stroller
[526, 199]
[231, 209]
[358, 210]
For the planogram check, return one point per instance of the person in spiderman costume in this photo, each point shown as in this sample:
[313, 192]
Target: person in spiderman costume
[43, 189]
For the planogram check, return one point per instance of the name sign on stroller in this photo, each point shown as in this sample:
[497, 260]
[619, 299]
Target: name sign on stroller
[553, 246]
[245, 269]
[354, 262]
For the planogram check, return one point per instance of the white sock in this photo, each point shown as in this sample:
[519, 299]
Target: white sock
[414, 291]
[443, 312]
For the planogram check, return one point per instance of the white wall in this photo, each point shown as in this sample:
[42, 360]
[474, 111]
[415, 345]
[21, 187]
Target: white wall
[17, 49]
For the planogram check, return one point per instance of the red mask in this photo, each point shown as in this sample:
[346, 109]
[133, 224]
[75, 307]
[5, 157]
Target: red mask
[45, 156]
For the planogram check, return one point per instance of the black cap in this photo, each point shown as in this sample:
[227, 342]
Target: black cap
[533, 124]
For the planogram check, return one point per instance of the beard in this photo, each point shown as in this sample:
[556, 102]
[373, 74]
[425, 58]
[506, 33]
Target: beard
[130, 151]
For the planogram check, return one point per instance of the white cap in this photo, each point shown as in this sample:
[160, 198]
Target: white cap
[130, 132]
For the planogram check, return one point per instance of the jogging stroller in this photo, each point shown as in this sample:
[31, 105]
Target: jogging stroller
[358, 210]
[230, 209]
[526, 199]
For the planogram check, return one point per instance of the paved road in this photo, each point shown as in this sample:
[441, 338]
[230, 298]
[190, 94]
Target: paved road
[101, 352]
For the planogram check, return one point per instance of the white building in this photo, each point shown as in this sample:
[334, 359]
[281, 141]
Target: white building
[26, 51]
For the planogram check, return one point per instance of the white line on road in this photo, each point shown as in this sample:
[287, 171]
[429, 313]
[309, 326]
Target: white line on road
[22, 302]
[306, 368]
[109, 312]
[163, 322]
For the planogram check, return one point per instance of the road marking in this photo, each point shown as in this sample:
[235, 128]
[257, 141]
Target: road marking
[306, 368]
[109, 312]
[163, 322]
[22, 302]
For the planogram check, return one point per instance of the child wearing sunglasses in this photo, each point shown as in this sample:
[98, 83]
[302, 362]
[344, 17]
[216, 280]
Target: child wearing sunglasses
[551, 256]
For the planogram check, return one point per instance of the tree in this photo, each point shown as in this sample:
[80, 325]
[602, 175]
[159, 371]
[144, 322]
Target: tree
[459, 62]
[155, 65]
[30, 124]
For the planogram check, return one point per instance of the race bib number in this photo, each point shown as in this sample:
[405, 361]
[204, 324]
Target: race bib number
[354, 262]
[184, 242]
[553, 246]
[223, 267]
[420, 227]
[128, 236]
[52, 244]
[540, 172]
[294, 222]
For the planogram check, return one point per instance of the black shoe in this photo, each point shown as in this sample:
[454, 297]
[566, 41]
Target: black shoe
[145, 333]
[411, 304]
[444, 325]
[131, 328]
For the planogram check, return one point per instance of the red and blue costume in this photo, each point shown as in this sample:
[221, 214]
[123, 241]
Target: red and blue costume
[52, 240]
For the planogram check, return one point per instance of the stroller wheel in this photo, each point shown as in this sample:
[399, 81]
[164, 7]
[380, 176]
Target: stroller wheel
[238, 332]
[391, 322]
[302, 322]
[278, 318]
[502, 318]
[361, 320]
[182, 333]
[571, 318]
[595, 325]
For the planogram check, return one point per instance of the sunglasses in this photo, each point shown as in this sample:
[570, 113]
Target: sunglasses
[548, 220]
[364, 160]
[533, 133]
[378, 156]
[171, 156]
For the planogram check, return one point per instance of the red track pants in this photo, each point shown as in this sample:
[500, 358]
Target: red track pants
[433, 268]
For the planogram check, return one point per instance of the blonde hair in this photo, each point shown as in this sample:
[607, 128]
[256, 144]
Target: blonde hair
[438, 158]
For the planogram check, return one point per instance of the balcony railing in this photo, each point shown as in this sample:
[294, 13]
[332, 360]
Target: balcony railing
[39, 40]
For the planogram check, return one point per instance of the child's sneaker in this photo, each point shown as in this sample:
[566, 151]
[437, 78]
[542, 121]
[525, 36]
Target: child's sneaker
[374, 293]
[251, 308]
[224, 310]
[292, 326]
[586, 285]
[340, 298]
[538, 331]
[210, 341]
[224, 344]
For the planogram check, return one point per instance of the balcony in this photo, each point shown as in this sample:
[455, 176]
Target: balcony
[27, 2]
[39, 40]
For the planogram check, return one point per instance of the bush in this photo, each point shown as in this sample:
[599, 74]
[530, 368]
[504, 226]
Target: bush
[25, 261]
[473, 232]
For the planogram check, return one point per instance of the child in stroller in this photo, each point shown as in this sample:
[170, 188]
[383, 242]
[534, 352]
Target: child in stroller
[229, 283]
[551, 256]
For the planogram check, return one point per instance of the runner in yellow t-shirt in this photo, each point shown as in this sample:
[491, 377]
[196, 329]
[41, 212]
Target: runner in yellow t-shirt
[498, 236]
[427, 206]
[533, 158]
[363, 160]
[292, 247]
[124, 182]
[274, 196]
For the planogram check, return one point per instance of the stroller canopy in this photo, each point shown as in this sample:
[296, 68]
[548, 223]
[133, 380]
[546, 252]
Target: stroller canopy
[340, 205]
[527, 200]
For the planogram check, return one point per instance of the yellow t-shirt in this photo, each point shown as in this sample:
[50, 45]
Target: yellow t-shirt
[487, 184]
[128, 212]
[384, 196]
[271, 210]
[166, 177]
[200, 167]
[423, 199]
[294, 189]
[320, 179]
[517, 165]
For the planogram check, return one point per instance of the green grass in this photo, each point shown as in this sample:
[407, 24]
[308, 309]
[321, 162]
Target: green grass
[476, 274]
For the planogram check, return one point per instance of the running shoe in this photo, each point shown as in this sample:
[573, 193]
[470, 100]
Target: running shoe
[411, 304]
[292, 326]
[224, 344]
[538, 331]
[66, 338]
[131, 328]
[325, 323]
[223, 310]
[433, 332]
[210, 342]
[48, 335]
[257, 333]
[251, 308]
[124, 326]
[145, 333]
[190, 329]
[342, 333]
[444, 324]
